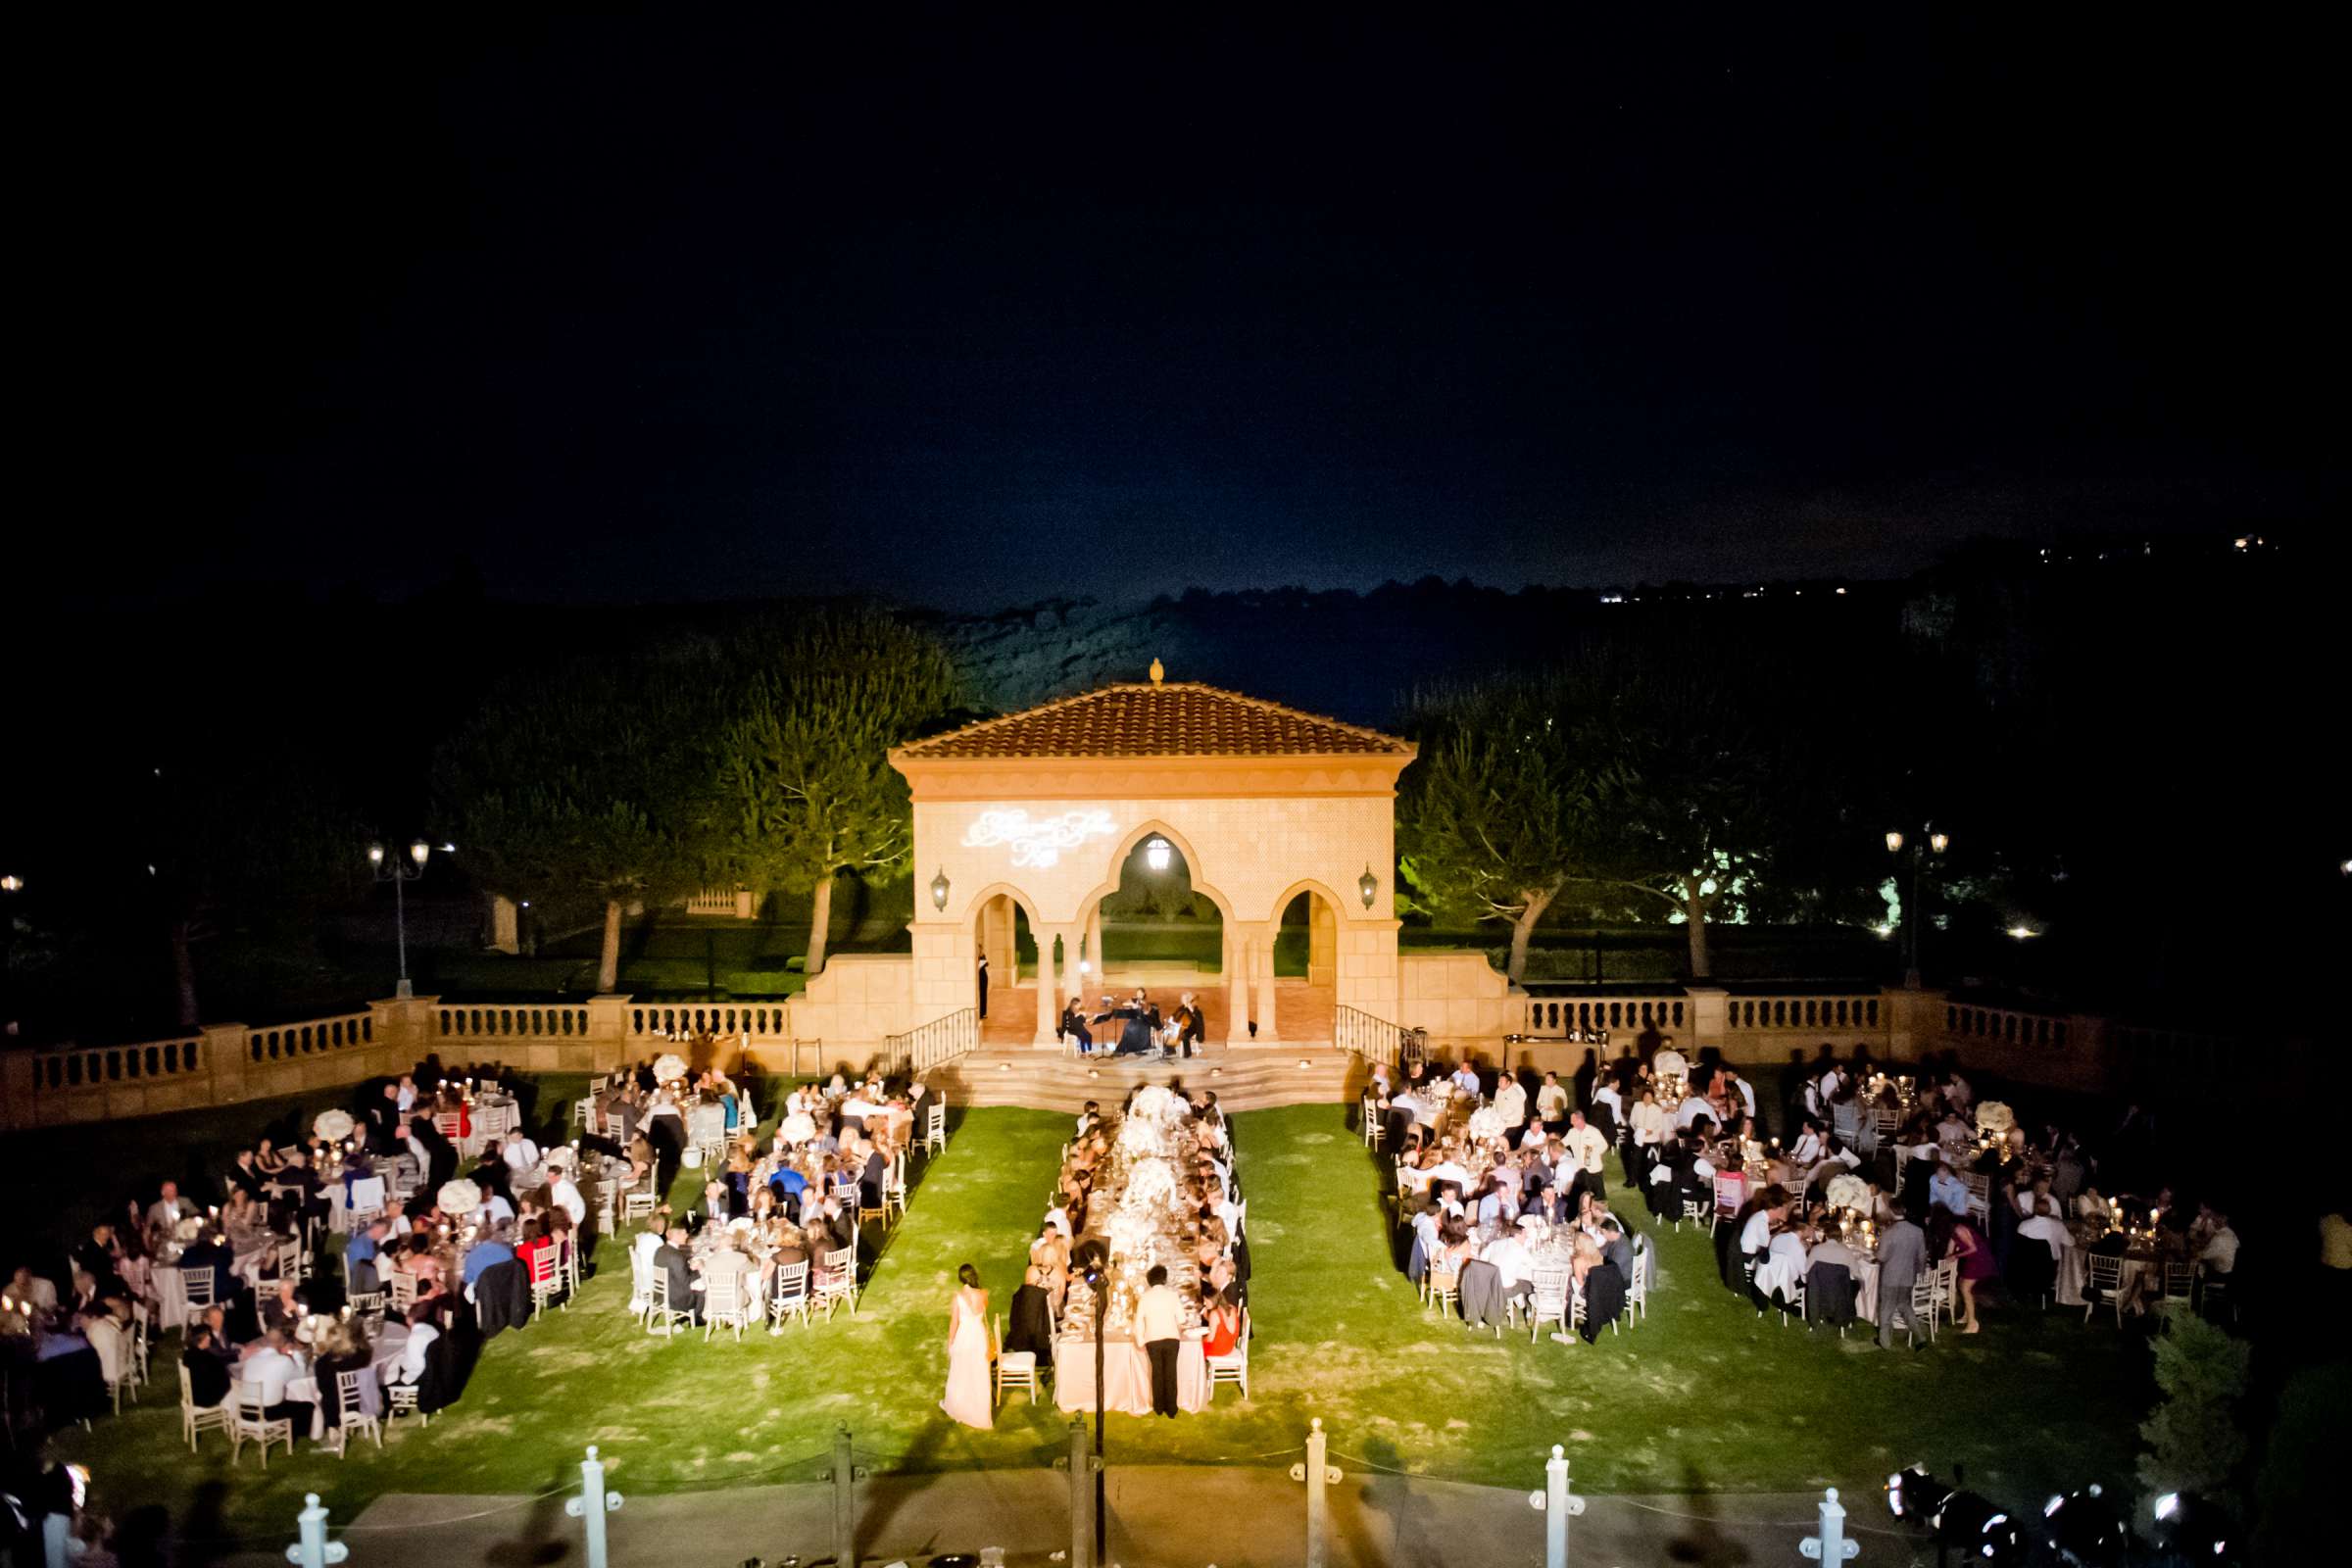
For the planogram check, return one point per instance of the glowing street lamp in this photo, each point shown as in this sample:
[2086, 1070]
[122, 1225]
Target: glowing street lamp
[12, 883]
[390, 868]
[1937, 844]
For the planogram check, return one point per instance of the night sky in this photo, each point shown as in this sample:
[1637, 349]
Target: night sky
[968, 310]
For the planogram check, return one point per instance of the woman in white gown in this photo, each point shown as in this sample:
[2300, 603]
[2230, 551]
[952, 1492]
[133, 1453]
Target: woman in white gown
[968, 1397]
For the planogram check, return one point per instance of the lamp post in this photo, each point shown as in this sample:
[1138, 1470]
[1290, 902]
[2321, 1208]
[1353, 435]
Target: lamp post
[400, 871]
[1926, 844]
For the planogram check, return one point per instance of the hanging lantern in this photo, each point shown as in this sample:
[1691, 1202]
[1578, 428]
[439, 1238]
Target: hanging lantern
[1368, 885]
[939, 891]
[1156, 854]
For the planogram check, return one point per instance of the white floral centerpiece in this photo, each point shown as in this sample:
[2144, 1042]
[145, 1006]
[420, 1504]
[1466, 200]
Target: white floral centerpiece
[1157, 1104]
[459, 1199]
[668, 1068]
[1150, 1186]
[332, 1126]
[1994, 1116]
[1849, 1193]
[1486, 1124]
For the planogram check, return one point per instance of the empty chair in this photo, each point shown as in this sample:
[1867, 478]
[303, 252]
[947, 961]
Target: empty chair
[837, 1281]
[351, 1413]
[935, 1127]
[1441, 1288]
[401, 1400]
[894, 1187]
[1549, 1301]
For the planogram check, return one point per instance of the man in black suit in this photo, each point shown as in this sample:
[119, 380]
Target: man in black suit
[208, 1370]
[670, 1259]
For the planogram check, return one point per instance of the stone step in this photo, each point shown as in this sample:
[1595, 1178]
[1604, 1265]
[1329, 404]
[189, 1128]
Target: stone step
[1243, 1080]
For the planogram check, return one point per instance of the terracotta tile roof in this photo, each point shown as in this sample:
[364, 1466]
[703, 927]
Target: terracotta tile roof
[1175, 720]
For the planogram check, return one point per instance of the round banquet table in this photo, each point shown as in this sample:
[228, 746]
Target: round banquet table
[1126, 1376]
[383, 1356]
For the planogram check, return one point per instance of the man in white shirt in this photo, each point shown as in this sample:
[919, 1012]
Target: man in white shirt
[1783, 1271]
[414, 1350]
[1514, 1263]
[1510, 1103]
[564, 1194]
[1551, 1104]
[406, 1098]
[1747, 1093]
[1087, 1119]
[1606, 1093]
[1584, 1147]
[2218, 1253]
[1159, 1330]
[1466, 1080]
[1649, 1122]
[1827, 1086]
[270, 1366]
[520, 1154]
[1690, 1110]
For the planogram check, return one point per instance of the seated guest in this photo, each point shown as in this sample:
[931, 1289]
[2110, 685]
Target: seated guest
[209, 1381]
[271, 1364]
[671, 1263]
[1029, 1325]
[360, 1272]
[1946, 1191]
[2216, 1244]
[1075, 1027]
[485, 1253]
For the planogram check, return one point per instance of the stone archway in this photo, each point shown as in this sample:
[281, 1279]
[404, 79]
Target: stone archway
[1164, 971]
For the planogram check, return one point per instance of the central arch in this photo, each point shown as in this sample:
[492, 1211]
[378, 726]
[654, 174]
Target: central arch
[1196, 961]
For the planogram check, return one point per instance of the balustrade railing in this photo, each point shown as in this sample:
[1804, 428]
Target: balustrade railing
[2008, 1026]
[66, 1069]
[1582, 1017]
[286, 1042]
[1373, 1038]
[765, 1023]
[933, 1044]
[1832, 1014]
[524, 1020]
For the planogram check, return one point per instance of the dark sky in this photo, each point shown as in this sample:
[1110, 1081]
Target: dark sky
[970, 308]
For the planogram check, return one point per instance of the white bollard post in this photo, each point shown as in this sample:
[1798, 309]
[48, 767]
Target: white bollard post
[1317, 1446]
[1557, 1504]
[592, 1505]
[1831, 1546]
[314, 1549]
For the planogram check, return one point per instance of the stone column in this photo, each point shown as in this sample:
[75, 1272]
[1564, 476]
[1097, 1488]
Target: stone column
[1268, 1027]
[1237, 987]
[1049, 1009]
[1094, 947]
[1708, 1021]
[505, 924]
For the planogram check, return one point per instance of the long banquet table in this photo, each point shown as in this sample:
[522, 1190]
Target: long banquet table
[1126, 1376]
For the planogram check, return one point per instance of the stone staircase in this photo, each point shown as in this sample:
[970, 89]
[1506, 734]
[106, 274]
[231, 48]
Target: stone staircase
[1244, 1079]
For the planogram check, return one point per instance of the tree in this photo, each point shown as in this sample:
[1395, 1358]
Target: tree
[2195, 1439]
[1496, 812]
[593, 778]
[804, 770]
[1700, 793]
[258, 840]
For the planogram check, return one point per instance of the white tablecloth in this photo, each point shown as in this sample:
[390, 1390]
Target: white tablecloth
[383, 1354]
[170, 1297]
[1126, 1376]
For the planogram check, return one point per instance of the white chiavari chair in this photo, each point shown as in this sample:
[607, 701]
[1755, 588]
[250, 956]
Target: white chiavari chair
[195, 1419]
[350, 1416]
[1549, 1301]
[836, 1281]
[249, 1421]
[1233, 1367]
[1016, 1369]
[726, 1304]
[791, 1297]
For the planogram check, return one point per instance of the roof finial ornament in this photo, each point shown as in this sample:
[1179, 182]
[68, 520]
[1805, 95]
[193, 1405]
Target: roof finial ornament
[1158, 674]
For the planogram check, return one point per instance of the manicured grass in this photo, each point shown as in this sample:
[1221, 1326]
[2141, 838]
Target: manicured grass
[1701, 1396]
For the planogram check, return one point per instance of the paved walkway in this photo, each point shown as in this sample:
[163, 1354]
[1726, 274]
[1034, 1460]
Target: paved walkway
[1162, 1516]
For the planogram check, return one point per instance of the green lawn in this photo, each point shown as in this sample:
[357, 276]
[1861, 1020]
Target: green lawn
[1703, 1395]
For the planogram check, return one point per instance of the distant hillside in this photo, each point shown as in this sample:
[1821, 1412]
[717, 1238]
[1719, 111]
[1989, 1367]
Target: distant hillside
[1349, 654]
